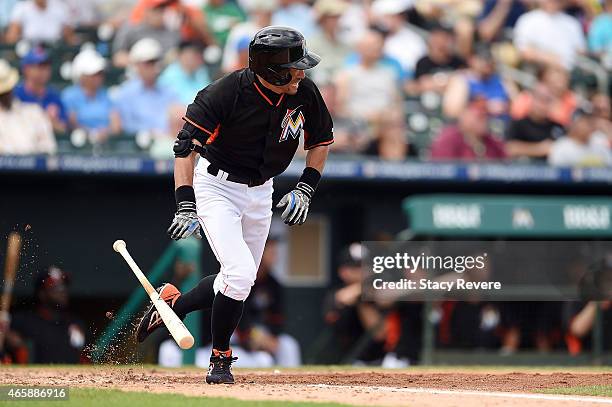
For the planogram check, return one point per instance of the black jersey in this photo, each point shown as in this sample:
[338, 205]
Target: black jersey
[253, 132]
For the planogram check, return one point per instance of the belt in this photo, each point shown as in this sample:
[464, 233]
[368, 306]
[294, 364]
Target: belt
[214, 171]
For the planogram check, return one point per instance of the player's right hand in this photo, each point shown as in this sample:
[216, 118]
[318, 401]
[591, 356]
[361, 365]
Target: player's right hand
[185, 222]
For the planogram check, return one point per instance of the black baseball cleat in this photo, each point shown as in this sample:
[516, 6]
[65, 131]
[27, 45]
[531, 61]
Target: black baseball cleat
[220, 370]
[151, 320]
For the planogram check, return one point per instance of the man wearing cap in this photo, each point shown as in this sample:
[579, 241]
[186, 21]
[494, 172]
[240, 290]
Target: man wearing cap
[87, 101]
[36, 68]
[348, 315]
[143, 104]
[151, 26]
[247, 127]
[55, 335]
[24, 127]
[332, 50]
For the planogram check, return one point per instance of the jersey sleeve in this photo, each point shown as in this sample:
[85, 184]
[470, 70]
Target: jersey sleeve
[212, 105]
[319, 127]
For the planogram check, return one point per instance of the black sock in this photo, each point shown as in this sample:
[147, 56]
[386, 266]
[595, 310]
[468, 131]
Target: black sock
[199, 297]
[226, 314]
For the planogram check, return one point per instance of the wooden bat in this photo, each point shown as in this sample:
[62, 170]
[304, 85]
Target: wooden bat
[177, 329]
[10, 271]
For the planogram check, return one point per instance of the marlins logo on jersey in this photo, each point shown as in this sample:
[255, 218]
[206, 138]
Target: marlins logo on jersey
[292, 124]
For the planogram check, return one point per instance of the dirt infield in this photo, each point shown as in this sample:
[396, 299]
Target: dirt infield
[360, 387]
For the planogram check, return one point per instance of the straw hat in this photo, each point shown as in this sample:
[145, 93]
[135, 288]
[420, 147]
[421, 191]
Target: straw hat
[8, 77]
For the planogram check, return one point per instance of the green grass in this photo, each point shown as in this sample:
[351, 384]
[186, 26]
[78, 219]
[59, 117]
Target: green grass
[116, 398]
[603, 390]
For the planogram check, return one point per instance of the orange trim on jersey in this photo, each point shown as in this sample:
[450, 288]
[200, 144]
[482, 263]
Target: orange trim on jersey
[267, 98]
[213, 135]
[263, 95]
[325, 143]
[188, 120]
[280, 100]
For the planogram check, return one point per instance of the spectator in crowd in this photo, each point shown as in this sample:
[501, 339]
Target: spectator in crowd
[349, 316]
[326, 43]
[461, 15]
[151, 26]
[24, 127]
[142, 103]
[600, 33]
[562, 105]
[261, 326]
[84, 13]
[579, 318]
[368, 93]
[222, 16]
[243, 54]
[499, 16]
[40, 21]
[260, 15]
[354, 22]
[87, 101]
[583, 146]
[35, 87]
[53, 333]
[584, 11]
[401, 43]
[297, 14]
[6, 10]
[548, 36]
[469, 139]
[479, 81]
[533, 135]
[434, 70]
[188, 74]
[178, 15]
[241, 60]
[602, 114]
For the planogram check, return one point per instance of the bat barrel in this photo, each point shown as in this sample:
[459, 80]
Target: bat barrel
[175, 326]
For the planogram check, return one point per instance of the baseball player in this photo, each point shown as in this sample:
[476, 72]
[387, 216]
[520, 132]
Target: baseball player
[246, 127]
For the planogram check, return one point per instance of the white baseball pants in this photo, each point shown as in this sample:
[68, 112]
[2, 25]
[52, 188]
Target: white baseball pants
[236, 220]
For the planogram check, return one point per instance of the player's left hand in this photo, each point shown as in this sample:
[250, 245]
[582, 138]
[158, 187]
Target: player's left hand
[297, 203]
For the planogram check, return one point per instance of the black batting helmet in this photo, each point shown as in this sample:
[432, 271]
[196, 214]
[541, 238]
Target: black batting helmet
[274, 50]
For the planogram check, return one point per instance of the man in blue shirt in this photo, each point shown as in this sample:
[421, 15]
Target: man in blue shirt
[600, 33]
[87, 101]
[188, 74]
[35, 87]
[143, 104]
